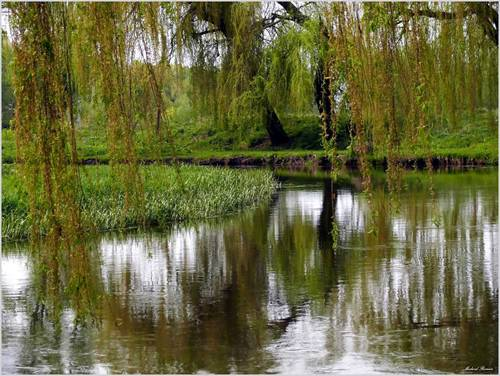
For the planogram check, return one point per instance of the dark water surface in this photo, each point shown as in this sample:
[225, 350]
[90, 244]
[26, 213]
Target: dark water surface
[280, 288]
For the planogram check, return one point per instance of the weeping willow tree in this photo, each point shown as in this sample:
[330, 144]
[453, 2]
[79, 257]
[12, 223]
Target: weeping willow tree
[294, 54]
[224, 40]
[406, 68]
[396, 69]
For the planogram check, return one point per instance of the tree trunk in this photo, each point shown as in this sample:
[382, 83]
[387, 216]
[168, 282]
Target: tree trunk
[275, 129]
[322, 98]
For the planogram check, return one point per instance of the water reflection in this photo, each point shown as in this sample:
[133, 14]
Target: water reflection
[273, 290]
[51, 292]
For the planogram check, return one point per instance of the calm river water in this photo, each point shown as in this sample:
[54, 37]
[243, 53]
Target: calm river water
[319, 280]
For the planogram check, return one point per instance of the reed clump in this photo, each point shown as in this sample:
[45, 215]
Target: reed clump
[170, 195]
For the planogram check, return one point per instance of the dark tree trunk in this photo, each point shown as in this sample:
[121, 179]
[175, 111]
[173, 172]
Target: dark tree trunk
[275, 129]
[322, 85]
[322, 98]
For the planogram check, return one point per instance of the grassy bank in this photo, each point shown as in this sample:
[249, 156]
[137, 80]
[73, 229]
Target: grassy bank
[487, 152]
[473, 140]
[483, 151]
[194, 193]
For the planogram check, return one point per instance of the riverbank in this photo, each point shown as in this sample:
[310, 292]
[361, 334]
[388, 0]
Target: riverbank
[192, 193]
[478, 152]
[318, 158]
[309, 158]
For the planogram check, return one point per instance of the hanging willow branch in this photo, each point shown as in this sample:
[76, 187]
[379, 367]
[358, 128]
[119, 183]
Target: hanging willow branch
[44, 117]
[112, 26]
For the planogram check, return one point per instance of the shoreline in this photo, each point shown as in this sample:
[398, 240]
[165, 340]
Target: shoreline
[312, 160]
[299, 159]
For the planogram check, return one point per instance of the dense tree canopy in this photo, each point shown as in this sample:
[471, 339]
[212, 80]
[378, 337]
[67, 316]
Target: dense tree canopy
[392, 69]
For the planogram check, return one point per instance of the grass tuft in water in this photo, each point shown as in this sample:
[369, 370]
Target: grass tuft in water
[195, 193]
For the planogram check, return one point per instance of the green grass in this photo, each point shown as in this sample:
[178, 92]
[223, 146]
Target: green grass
[486, 152]
[8, 146]
[195, 193]
[475, 137]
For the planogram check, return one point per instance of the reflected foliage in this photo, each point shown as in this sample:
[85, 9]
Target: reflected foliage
[249, 288]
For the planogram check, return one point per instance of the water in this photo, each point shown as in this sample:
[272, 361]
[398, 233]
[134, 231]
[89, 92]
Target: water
[273, 289]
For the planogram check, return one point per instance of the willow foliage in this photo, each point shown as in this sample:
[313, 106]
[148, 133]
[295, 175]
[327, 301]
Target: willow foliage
[405, 74]
[292, 60]
[112, 28]
[45, 133]
[398, 69]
